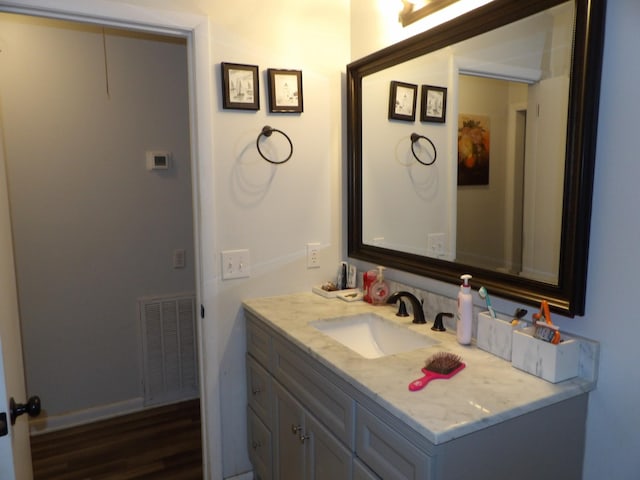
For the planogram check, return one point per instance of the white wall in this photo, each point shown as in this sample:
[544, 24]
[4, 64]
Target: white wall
[93, 229]
[275, 210]
[611, 318]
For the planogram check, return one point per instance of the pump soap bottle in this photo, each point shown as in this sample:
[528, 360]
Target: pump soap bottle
[379, 290]
[465, 312]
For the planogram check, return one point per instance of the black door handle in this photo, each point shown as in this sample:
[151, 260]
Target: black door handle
[4, 426]
[32, 407]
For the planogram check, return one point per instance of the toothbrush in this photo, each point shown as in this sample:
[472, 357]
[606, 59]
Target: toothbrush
[484, 294]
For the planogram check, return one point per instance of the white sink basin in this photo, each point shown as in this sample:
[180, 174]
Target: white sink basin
[372, 336]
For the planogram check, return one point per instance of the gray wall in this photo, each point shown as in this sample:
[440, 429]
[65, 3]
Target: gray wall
[93, 229]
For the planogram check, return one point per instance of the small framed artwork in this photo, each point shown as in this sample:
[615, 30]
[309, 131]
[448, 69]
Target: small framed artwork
[240, 86]
[433, 104]
[474, 148]
[285, 90]
[402, 101]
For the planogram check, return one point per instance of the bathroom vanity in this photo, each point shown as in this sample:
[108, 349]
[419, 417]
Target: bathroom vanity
[317, 409]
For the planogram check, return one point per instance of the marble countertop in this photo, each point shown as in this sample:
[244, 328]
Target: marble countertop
[488, 391]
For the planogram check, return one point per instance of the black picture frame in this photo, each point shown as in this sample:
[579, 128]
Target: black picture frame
[285, 90]
[402, 101]
[240, 86]
[433, 104]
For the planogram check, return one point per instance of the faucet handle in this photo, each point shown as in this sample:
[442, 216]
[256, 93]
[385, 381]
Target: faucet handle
[437, 324]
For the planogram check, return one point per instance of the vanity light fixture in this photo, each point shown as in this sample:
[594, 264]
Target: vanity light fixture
[410, 13]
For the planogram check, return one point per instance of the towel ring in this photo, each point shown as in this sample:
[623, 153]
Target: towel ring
[414, 139]
[267, 131]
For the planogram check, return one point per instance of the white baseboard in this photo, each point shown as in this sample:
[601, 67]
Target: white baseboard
[242, 476]
[46, 424]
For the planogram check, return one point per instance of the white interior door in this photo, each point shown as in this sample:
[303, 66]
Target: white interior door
[15, 450]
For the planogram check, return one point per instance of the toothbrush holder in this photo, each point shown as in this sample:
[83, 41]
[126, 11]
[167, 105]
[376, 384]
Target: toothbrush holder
[495, 335]
[554, 363]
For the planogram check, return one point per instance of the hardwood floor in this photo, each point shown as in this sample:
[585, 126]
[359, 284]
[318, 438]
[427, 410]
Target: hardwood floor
[159, 443]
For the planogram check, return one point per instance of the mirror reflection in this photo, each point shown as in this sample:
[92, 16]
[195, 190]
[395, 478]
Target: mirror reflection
[494, 197]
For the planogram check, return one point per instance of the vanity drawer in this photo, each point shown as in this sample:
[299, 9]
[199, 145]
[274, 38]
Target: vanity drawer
[334, 408]
[259, 393]
[258, 341]
[386, 452]
[260, 446]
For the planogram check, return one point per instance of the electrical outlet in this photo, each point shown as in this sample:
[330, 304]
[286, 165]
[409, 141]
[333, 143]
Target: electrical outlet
[235, 264]
[435, 244]
[313, 255]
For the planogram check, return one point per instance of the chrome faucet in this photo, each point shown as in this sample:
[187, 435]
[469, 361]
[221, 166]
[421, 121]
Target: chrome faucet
[416, 305]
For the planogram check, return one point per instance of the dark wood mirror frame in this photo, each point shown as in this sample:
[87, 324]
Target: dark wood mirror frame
[568, 296]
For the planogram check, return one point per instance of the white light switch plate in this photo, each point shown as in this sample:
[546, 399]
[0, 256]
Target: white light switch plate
[235, 264]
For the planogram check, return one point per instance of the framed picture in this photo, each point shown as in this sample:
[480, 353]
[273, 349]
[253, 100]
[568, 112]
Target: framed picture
[474, 148]
[240, 86]
[433, 104]
[285, 90]
[402, 101]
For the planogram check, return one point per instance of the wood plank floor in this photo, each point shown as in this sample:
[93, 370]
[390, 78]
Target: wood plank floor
[159, 443]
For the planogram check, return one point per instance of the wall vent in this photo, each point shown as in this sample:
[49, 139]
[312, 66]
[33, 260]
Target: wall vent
[169, 348]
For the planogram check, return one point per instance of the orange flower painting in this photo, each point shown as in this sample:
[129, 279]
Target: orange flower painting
[473, 149]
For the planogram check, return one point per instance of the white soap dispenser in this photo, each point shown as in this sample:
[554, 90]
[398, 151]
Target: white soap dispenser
[465, 312]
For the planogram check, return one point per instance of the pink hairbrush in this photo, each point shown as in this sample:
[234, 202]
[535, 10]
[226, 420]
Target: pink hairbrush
[442, 365]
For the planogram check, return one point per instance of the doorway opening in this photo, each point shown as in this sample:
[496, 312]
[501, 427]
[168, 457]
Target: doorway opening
[191, 28]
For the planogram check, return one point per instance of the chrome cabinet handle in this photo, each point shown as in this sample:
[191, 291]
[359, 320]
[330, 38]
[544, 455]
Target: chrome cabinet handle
[256, 445]
[303, 437]
[256, 390]
[295, 428]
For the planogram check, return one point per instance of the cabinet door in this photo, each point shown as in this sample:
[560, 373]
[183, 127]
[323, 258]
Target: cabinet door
[327, 458]
[289, 435]
[361, 472]
[388, 453]
[259, 390]
[260, 452]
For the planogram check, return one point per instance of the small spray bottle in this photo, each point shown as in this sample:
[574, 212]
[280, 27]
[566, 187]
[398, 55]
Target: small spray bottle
[465, 312]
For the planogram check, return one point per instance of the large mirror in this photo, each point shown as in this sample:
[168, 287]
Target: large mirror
[491, 172]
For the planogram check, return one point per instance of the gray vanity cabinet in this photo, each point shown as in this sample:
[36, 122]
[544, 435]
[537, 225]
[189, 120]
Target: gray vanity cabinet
[307, 422]
[286, 440]
[306, 450]
[387, 452]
